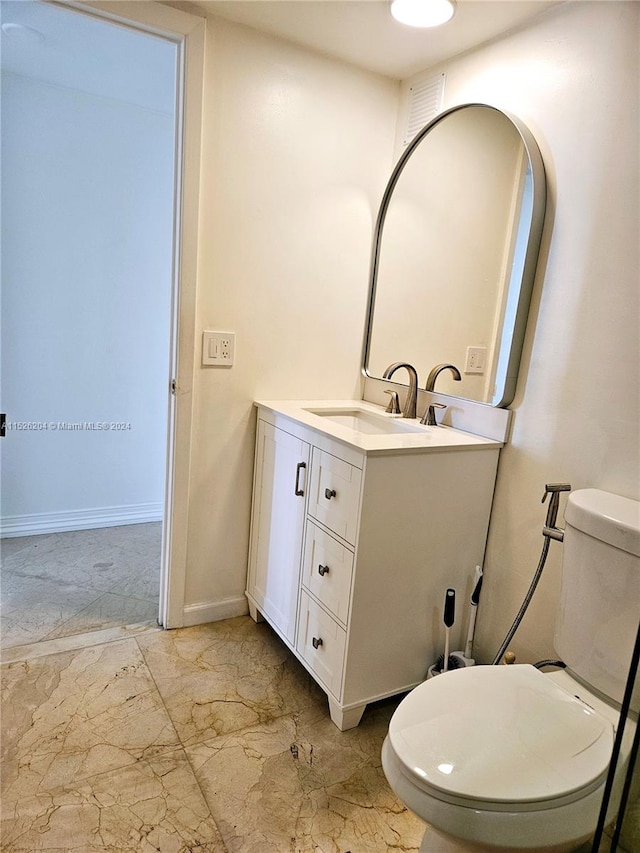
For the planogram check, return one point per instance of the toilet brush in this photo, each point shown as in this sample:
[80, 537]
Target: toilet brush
[464, 658]
[475, 598]
[446, 661]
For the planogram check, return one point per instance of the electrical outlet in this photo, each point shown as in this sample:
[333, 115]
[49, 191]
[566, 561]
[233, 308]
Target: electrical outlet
[218, 348]
[476, 360]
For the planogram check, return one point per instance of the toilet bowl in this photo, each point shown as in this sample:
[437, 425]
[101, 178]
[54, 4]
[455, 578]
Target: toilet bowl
[506, 758]
[502, 758]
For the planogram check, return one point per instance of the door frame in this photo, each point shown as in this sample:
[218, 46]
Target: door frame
[188, 33]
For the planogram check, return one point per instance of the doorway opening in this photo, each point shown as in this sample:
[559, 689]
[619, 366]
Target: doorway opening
[90, 117]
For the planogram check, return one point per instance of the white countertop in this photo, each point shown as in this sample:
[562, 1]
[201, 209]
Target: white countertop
[417, 436]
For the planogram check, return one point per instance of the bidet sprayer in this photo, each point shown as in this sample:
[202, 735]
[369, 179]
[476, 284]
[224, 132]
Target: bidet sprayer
[550, 529]
[549, 532]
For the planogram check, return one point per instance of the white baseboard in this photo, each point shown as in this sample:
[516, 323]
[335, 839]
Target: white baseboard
[214, 611]
[81, 519]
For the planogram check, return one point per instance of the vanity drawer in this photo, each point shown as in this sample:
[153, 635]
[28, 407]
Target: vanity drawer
[321, 642]
[326, 571]
[334, 494]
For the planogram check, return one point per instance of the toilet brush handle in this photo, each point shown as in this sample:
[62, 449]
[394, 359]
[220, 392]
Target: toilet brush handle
[449, 607]
[448, 619]
[445, 663]
[468, 649]
[475, 595]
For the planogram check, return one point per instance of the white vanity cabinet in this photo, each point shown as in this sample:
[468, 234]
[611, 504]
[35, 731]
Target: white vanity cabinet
[352, 551]
[278, 525]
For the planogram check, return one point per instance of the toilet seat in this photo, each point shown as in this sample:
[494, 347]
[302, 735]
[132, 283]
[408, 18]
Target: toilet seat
[503, 738]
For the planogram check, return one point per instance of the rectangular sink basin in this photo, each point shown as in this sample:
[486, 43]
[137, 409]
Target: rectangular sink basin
[368, 423]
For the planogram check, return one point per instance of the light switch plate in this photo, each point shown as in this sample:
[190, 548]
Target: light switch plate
[476, 360]
[218, 348]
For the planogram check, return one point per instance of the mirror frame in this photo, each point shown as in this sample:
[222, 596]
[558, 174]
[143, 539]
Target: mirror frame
[524, 282]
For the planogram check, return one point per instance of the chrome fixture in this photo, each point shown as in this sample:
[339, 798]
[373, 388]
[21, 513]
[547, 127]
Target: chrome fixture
[549, 531]
[437, 370]
[393, 408]
[412, 396]
[550, 528]
[429, 417]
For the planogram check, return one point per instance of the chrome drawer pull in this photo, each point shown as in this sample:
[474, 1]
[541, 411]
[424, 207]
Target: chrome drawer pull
[323, 570]
[316, 642]
[329, 493]
[298, 491]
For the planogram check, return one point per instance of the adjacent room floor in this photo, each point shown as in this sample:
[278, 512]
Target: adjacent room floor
[58, 584]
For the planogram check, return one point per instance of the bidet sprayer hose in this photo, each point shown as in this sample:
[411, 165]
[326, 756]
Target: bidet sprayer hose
[549, 532]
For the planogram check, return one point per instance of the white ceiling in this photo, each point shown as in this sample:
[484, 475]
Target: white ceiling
[63, 47]
[363, 33]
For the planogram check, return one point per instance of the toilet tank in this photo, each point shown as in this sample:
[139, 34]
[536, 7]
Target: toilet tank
[599, 609]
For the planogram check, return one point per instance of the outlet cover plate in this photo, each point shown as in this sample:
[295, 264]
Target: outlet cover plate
[218, 348]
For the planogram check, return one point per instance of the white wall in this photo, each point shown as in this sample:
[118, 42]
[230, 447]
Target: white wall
[572, 77]
[296, 152]
[87, 230]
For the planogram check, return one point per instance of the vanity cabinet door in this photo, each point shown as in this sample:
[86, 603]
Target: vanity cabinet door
[334, 494]
[280, 486]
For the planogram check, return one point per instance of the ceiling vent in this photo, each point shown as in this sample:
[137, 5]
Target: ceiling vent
[425, 102]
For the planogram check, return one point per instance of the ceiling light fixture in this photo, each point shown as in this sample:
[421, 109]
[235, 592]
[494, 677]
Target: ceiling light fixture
[423, 13]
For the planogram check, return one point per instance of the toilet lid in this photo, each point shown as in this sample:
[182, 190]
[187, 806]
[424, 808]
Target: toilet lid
[503, 734]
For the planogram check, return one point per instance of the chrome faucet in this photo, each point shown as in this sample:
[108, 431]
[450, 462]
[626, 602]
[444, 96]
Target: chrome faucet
[437, 370]
[429, 417]
[409, 410]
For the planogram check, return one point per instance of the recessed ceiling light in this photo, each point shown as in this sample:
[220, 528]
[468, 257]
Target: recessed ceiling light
[423, 13]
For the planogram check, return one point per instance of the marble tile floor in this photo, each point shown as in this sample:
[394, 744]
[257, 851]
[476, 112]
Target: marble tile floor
[59, 584]
[211, 738]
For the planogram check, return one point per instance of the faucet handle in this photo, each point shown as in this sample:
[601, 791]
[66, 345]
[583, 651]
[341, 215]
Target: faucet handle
[393, 407]
[429, 417]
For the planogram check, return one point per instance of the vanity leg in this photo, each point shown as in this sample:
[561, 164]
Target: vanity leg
[345, 719]
[255, 613]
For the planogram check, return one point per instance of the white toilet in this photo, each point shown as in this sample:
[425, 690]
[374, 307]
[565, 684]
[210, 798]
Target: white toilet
[509, 758]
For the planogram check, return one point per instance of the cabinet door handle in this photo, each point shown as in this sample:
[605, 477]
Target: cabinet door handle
[323, 570]
[316, 642]
[329, 493]
[299, 492]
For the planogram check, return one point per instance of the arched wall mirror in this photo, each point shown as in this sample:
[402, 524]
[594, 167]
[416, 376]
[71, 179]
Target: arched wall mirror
[454, 253]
